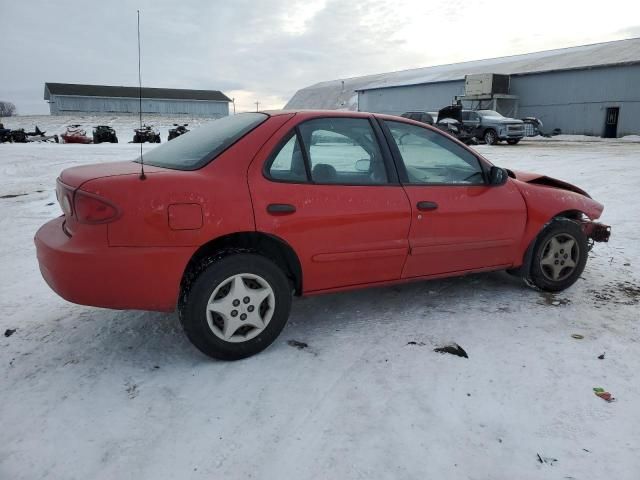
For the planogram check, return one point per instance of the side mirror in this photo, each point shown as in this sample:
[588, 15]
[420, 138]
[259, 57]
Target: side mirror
[497, 176]
[363, 165]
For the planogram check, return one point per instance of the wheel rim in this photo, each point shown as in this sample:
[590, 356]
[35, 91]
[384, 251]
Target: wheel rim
[560, 256]
[489, 138]
[240, 307]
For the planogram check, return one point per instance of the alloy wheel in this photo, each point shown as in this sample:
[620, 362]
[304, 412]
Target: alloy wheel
[560, 255]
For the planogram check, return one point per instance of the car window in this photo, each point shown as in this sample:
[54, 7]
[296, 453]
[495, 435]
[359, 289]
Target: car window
[426, 118]
[343, 151]
[432, 158]
[200, 146]
[288, 163]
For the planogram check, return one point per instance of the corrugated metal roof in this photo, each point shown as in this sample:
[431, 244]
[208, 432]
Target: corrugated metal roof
[338, 94]
[131, 92]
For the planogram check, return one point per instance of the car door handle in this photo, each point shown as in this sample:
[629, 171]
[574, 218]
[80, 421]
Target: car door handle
[280, 209]
[424, 206]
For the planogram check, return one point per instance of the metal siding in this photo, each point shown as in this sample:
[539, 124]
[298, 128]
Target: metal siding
[576, 101]
[395, 101]
[67, 104]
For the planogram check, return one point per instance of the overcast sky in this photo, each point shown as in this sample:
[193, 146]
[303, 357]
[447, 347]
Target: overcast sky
[265, 50]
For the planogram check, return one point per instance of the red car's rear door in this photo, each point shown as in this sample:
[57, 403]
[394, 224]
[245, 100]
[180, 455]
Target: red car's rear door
[458, 222]
[328, 188]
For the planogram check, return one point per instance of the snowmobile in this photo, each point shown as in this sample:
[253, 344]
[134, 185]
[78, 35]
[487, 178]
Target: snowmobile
[104, 133]
[146, 133]
[75, 134]
[179, 130]
[39, 136]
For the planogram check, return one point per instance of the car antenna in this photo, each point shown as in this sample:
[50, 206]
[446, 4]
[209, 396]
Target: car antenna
[142, 175]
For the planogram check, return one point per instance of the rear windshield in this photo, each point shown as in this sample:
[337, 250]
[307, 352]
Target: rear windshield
[200, 146]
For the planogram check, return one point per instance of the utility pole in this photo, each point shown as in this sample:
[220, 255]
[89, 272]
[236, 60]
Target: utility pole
[257, 105]
[233, 100]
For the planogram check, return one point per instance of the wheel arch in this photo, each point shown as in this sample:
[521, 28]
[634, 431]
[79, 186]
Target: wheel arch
[524, 269]
[270, 246]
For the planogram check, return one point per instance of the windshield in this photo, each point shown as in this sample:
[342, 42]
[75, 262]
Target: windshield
[488, 113]
[195, 149]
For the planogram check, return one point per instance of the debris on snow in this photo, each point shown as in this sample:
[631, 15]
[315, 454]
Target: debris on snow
[603, 394]
[453, 349]
[9, 331]
[546, 460]
[601, 357]
[132, 390]
[419, 344]
[297, 344]
[577, 336]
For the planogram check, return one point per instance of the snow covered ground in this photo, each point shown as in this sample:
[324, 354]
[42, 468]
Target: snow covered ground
[87, 393]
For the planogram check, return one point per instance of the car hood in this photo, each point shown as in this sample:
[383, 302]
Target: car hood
[538, 179]
[453, 111]
[503, 120]
[76, 176]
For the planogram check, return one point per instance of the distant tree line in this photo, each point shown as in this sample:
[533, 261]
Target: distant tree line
[7, 109]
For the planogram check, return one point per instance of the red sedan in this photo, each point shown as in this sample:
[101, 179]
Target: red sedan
[230, 220]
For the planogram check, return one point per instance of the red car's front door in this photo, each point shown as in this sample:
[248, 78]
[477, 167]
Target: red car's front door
[458, 222]
[328, 190]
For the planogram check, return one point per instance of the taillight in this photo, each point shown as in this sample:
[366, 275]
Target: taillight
[85, 207]
[90, 208]
[64, 194]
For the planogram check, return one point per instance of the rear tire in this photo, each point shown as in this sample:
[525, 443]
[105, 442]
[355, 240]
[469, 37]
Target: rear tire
[559, 256]
[236, 306]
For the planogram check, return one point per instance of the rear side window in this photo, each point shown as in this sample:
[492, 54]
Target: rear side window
[343, 151]
[200, 146]
[288, 164]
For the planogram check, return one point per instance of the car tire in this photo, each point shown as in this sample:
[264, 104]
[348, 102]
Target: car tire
[217, 308]
[559, 256]
[513, 141]
[490, 137]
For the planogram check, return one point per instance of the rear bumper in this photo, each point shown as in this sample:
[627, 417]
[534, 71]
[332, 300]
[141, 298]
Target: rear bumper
[141, 278]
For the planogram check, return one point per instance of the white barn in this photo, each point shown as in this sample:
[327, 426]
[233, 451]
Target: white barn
[66, 98]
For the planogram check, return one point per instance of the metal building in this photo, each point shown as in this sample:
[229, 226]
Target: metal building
[65, 98]
[589, 90]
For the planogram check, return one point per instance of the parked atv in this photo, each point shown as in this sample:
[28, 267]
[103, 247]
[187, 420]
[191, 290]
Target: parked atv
[18, 136]
[75, 134]
[179, 130]
[39, 136]
[104, 133]
[5, 134]
[146, 134]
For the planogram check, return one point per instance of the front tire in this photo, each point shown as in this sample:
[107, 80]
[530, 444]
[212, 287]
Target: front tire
[559, 256]
[236, 307]
[490, 137]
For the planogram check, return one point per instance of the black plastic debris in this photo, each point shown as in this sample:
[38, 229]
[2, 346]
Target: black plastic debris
[297, 344]
[453, 349]
[419, 344]
[601, 357]
[546, 460]
[9, 331]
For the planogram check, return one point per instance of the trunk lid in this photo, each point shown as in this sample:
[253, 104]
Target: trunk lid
[76, 176]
